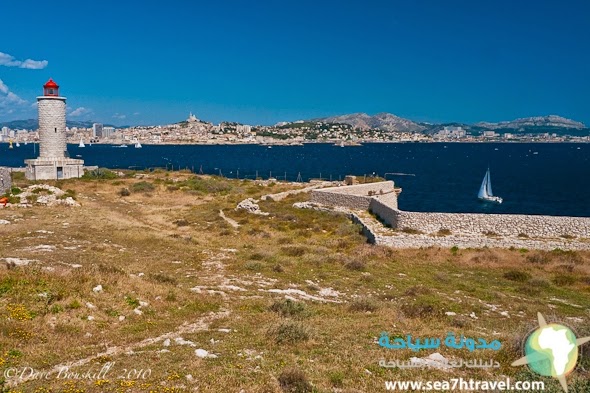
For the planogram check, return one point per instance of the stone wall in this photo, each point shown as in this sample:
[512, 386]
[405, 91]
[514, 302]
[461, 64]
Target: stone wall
[5, 180]
[52, 127]
[357, 196]
[511, 225]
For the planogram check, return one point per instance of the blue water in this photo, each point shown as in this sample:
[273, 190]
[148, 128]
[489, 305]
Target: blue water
[556, 181]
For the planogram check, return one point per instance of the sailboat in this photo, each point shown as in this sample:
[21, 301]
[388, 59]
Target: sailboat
[137, 144]
[81, 143]
[485, 191]
[17, 144]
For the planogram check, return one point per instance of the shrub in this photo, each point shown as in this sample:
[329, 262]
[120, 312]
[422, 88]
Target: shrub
[363, 304]
[444, 232]
[100, 173]
[289, 333]
[32, 199]
[293, 251]
[355, 264]
[411, 231]
[124, 192]
[517, 275]
[564, 280]
[421, 308]
[417, 290]
[289, 308]
[294, 380]
[541, 259]
[15, 190]
[163, 278]
[143, 186]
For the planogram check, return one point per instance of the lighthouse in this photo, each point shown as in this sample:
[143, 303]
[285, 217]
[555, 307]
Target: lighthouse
[53, 161]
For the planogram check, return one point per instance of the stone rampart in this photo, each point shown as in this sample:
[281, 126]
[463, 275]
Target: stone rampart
[511, 225]
[357, 196]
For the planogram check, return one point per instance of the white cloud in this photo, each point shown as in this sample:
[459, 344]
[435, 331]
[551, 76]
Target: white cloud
[9, 61]
[8, 100]
[3, 87]
[34, 64]
[136, 114]
[119, 116]
[80, 111]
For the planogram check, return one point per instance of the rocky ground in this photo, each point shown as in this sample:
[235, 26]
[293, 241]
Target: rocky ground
[149, 279]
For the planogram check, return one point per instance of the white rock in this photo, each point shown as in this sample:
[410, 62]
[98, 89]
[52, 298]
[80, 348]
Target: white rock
[505, 314]
[224, 330]
[97, 289]
[166, 342]
[138, 311]
[121, 318]
[90, 318]
[472, 315]
[90, 305]
[201, 353]
[450, 313]
[143, 304]
[4, 222]
[182, 341]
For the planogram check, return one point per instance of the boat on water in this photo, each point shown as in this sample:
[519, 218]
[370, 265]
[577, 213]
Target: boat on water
[81, 143]
[485, 191]
[123, 145]
[137, 145]
[17, 144]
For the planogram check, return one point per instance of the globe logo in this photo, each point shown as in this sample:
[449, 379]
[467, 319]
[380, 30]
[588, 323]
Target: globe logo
[551, 351]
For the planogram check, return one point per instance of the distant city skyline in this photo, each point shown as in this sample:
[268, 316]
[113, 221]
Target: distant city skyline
[428, 61]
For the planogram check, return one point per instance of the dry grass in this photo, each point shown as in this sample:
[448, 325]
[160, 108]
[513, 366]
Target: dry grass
[168, 247]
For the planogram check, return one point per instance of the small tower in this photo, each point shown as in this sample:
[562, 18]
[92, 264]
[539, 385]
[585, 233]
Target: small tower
[53, 161]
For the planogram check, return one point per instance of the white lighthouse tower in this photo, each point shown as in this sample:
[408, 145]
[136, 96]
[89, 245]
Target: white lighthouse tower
[53, 161]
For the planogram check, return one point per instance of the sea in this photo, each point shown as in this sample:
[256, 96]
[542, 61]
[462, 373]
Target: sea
[532, 178]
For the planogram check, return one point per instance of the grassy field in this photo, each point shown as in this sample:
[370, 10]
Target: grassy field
[292, 301]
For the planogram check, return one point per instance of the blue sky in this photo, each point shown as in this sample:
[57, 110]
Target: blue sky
[151, 62]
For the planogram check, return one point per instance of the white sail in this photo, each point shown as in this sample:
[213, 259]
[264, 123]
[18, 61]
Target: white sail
[483, 190]
[81, 143]
[489, 184]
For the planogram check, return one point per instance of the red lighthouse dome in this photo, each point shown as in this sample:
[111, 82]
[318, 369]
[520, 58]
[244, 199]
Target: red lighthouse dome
[51, 88]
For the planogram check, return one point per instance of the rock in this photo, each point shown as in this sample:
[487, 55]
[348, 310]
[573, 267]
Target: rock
[472, 315]
[435, 360]
[90, 318]
[4, 222]
[143, 304]
[97, 289]
[201, 353]
[138, 311]
[251, 206]
[121, 318]
[90, 305]
[450, 313]
[166, 342]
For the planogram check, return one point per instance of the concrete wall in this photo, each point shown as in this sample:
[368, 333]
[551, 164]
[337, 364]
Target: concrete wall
[5, 180]
[52, 127]
[470, 224]
[355, 197]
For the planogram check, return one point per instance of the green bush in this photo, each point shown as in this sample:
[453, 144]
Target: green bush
[289, 308]
[100, 173]
[143, 186]
[517, 275]
[289, 333]
[294, 381]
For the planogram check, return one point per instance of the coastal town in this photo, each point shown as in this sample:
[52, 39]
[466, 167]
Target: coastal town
[343, 133]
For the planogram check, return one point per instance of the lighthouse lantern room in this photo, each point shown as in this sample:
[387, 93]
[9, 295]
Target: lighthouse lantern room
[51, 89]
